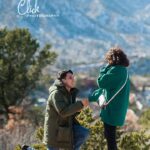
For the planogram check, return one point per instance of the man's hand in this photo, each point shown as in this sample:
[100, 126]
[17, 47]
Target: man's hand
[85, 102]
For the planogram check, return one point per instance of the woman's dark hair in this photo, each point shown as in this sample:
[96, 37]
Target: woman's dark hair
[63, 74]
[116, 56]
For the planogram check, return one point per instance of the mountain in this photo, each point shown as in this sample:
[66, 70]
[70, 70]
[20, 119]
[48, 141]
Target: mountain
[81, 31]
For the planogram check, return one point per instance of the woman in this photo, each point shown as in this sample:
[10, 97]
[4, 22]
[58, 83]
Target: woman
[111, 79]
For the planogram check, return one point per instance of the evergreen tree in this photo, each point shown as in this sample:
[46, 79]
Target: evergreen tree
[21, 64]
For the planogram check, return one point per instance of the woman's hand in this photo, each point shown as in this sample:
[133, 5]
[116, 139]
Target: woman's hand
[104, 106]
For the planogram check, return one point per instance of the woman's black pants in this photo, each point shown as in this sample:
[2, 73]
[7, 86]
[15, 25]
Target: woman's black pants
[110, 135]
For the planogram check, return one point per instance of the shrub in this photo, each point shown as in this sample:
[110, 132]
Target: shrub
[145, 118]
[135, 141]
[126, 140]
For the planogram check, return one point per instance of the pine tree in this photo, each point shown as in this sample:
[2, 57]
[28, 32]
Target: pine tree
[21, 64]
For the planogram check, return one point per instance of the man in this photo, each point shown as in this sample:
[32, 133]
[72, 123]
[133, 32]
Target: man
[61, 129]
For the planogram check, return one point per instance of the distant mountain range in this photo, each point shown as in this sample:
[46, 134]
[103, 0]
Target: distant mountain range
[81, 31]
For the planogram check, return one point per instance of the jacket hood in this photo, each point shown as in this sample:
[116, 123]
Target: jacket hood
[58, 85]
